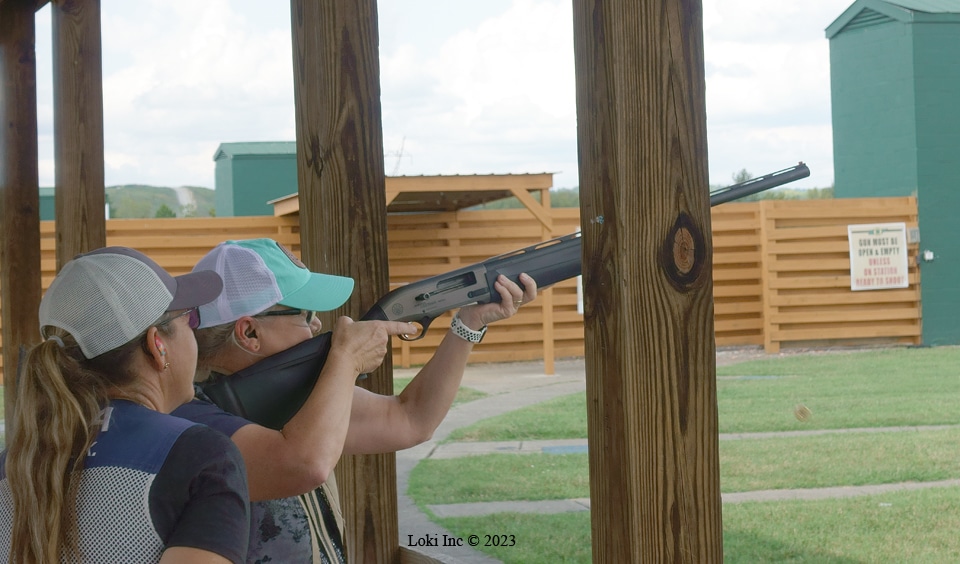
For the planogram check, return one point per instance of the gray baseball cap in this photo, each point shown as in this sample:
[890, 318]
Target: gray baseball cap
[107, 297]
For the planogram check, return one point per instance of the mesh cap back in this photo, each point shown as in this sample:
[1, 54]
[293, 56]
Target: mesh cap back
[261, 273]
[107, 297]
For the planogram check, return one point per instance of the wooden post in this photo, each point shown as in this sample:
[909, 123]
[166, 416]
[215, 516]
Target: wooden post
[650, 352]
[343, 217]
[78, 128]
[549, 335]
[19, 189]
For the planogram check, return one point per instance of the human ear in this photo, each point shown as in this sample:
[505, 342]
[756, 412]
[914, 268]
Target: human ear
[156, 350]
[245, 333]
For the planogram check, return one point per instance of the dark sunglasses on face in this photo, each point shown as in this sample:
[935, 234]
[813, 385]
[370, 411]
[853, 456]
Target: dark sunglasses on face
[309, 317]
[193, 319]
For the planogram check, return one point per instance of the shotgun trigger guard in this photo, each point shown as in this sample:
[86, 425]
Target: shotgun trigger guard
[422, 326]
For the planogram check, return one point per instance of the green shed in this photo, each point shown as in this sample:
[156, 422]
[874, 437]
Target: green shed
[895, 87]
[47, 204]
[248, 175]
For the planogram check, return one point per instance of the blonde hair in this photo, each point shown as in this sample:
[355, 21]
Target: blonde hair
[60, 397]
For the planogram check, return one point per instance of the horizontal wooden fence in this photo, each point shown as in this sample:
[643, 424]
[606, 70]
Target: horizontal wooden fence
[806, 270]
[781, 275]
[781, 272]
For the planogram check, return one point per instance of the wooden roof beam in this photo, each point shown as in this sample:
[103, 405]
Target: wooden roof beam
[38, 4]
[541, 213]
[469, 182]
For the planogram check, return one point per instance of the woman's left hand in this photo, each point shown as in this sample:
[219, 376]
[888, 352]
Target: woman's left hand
[512, 296]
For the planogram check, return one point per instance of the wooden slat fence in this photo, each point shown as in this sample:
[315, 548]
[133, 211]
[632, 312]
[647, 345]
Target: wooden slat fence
[806, 270]
[780, 270]
[424, 245]
[737, 290]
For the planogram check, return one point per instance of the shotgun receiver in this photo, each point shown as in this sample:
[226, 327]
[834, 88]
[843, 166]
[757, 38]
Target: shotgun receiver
[272, 390]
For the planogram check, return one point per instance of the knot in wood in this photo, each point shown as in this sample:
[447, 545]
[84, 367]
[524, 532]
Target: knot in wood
[683, 253]
[684, 250]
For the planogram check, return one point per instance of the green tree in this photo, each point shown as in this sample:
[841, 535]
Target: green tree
[742, 176]
[165, 211]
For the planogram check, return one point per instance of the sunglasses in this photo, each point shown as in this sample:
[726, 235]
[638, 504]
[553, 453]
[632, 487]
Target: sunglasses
[193, 319]
[309, 317]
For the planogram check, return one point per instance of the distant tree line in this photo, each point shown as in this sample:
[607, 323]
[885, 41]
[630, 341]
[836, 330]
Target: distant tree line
[780, 193]
[141, 201]
[570, 197]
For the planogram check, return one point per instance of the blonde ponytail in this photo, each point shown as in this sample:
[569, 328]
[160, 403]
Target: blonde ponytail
[60, 397]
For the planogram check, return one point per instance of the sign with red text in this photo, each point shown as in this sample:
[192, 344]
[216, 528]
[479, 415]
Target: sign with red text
[878, 256]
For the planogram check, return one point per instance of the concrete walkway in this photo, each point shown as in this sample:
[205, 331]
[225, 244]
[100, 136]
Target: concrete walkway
[513, 386]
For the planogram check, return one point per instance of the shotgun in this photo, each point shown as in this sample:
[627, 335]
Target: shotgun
[272, 390]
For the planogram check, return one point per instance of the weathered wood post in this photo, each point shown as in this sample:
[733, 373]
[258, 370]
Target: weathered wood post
[19, 188]
[343, 217]
[78, 128]
[650, 353]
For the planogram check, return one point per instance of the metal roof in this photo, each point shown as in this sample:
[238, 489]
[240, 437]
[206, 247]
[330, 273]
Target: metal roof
[865, 13]
[230, 150]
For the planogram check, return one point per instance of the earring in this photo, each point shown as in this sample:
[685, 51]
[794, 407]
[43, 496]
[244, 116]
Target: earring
[166, 365]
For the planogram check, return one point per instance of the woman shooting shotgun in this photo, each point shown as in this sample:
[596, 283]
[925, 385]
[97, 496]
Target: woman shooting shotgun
[268, 306]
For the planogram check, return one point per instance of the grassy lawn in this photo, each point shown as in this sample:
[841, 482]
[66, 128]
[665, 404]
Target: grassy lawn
[745, 465]
[882, 388]
[916, 527]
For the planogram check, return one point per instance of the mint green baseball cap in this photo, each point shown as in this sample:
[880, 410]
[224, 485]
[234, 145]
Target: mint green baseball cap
[261, 273]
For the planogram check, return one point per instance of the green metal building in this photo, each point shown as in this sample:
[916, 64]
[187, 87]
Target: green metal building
[248, 175]
[47, 204]
[895, 95]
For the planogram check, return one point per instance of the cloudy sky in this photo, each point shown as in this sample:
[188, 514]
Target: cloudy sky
[467, 87]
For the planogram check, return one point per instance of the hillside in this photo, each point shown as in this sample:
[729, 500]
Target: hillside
[139, 201]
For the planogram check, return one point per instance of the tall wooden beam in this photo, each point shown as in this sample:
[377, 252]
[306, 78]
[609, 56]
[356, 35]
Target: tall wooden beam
[343, 217]
[650, 354]
[78, 128]
[19, 188]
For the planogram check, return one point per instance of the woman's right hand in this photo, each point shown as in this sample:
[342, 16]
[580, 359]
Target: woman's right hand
[366, 342]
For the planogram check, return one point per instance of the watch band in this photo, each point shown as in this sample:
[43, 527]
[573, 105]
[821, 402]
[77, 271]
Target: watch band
[461, 330]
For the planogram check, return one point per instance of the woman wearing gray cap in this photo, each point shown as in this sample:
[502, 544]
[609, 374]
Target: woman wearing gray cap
[97, 470]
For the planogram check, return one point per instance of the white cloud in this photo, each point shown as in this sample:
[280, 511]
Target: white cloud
[467, 87]
[501, 97]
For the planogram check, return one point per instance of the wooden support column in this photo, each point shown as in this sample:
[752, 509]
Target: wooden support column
[19, 189]
[343, 217]
[547, 323]
[645, 214]
[78, 128]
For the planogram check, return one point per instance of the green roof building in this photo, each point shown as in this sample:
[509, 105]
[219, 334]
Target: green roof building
[248, 175]
[895, 88]
[48, 210]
